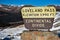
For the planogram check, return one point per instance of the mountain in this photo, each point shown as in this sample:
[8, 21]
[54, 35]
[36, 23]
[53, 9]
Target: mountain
[10, 15]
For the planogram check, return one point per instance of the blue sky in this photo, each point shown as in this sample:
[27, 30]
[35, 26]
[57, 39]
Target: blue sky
[32, 2]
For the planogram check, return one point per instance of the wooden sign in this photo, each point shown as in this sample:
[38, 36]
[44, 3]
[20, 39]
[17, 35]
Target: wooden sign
[36, 18]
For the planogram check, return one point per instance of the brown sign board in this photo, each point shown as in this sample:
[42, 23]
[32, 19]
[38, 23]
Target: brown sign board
[36, 18]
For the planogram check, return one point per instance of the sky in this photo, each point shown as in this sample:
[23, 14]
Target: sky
[31, 2]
